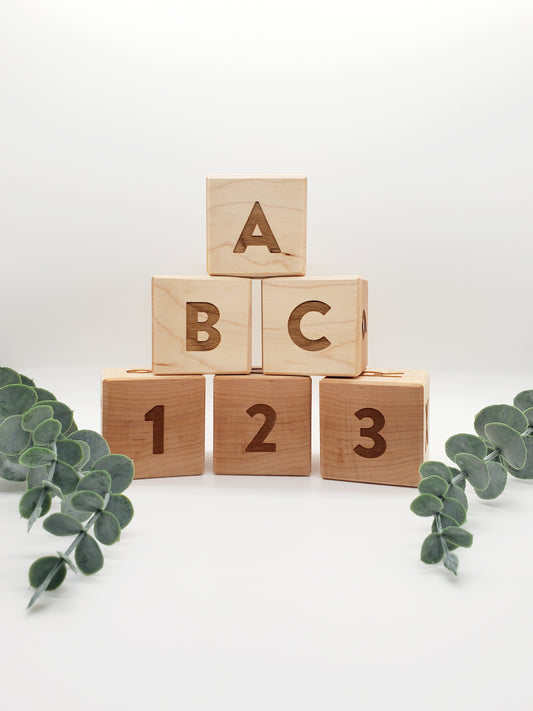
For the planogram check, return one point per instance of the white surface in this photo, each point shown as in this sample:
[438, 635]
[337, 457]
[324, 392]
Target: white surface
[413, 122]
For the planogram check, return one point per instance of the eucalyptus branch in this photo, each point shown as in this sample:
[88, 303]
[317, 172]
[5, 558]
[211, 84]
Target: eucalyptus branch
[504, 444]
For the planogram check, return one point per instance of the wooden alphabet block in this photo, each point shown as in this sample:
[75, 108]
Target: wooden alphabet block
[201, 325]
[374, 428]
[158, 421]
[256, 225]
[315, 326]
[262, 424]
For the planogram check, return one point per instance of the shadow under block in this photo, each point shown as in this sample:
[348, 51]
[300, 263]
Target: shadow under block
[256, 225]
[158, 421]
[201, 325]
[374, 428]
[315, 326]
[262, 424]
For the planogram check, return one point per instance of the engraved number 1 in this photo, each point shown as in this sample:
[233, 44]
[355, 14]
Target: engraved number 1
[157, 416]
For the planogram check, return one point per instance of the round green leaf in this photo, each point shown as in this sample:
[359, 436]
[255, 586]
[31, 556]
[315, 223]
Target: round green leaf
[98, 481]
[67, 508]
[431, 468]
[475, 470]
[47, 432]
[456, 492]
[432, 550]
[16, 399]
[42, 567]
[62, 413]
[461, 443]
[26, 381]
[97, 444]
[509, 442]
[8, 376]
[30, 502]
[66, 477]
[70, 451]
[107, 528]
[88, 556]
[44, 395]
[524, 401]
[36, 476]
[435, 485]
[503, 414]
[454, 509]
[35, 415]
[498, 480]
[527, 470]
[87, 501]
[444, 521]
[119, 467]
[12, 470]
[62, 525]
[458, 536]
[37, 457]
[121, 507]
[426, 505]
[13, 439]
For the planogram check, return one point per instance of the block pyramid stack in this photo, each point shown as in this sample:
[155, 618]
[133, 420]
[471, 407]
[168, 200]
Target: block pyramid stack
[373, 425]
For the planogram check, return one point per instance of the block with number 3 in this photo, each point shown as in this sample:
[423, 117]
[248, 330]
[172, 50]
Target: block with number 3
[157, 420]
[374, 428]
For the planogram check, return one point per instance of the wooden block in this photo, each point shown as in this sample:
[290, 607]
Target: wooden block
[158, 421]
[262, 424]
[374, 428]
[256, 225]
[201, 325]
[315, 326]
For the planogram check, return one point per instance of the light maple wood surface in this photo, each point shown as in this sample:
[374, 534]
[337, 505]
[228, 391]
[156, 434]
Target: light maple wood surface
[270, 209]
[172, 351]
[342, 320]
[374, 428]
[262, 424]
[158, 421]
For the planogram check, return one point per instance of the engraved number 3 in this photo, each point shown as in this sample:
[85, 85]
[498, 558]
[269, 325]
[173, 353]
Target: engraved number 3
[378, 423]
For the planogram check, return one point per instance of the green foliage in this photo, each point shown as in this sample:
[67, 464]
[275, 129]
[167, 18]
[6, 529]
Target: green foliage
[504, 445]
[41, 445]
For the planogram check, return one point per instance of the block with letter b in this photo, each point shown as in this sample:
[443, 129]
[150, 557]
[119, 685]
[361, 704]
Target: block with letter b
[201, 325]
[158, 421]
[256, 225]
[315, 326]
[374, 428]
[262, 424]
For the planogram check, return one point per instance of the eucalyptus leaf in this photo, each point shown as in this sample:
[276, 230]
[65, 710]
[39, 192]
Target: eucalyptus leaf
[435, 485]
[465, 443]
[70, 452]
[509, 442]
[26, 381]
[98, 445]
[524, 402]
[527, 470]
[16, 399]
[87, 501]
[98, 481]
[444, 521]
[65, 477]
[431, 468]
[503, 414]
[119, 467]
[12, 471]
[498, 480]
[107, 528]
[454, 509]
[67, 508]
[458, 536]
[62, 413]
[44, 395]
[36, 476]
[475, 469]
[35, 415]
[456, 492]
[121, 507]
[47, 432]
[426, 505]
[432, 550]
[88, 556]
[13, 439]
[8, 376]
[42, 567]
[37, 457]
[35, 502]
[61, 524]
[451, 562]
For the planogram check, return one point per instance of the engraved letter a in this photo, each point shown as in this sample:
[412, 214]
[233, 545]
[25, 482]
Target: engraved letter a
[248, 239]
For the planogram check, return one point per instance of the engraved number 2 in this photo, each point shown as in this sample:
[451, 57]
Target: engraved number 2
[378, 423]
[258, 443]
[157, 416]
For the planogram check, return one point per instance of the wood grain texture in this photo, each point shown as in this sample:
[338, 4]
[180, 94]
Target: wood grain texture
[315, 326]
[182, 344]
[262, 425]
[158, 421]
[374, 428]
[271, 208]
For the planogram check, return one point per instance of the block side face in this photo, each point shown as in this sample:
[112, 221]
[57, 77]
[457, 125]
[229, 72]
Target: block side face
[263, 218]
[244, 423]
[140, 416]
[215, 310]
[313, 326]
[371, 432]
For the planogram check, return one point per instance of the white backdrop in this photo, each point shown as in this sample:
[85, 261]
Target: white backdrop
[412, 120]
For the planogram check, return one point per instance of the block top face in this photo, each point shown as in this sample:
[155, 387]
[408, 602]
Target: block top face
[256, 225]
[389, 377]
[140, 374]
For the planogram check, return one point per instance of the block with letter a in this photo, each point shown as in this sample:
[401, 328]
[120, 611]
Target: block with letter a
[256, 225]
[201, 325]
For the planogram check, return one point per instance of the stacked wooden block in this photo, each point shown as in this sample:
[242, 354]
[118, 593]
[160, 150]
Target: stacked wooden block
[373, 424]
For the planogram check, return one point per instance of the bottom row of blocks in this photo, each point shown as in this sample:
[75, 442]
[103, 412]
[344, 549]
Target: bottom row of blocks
[373, 428]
